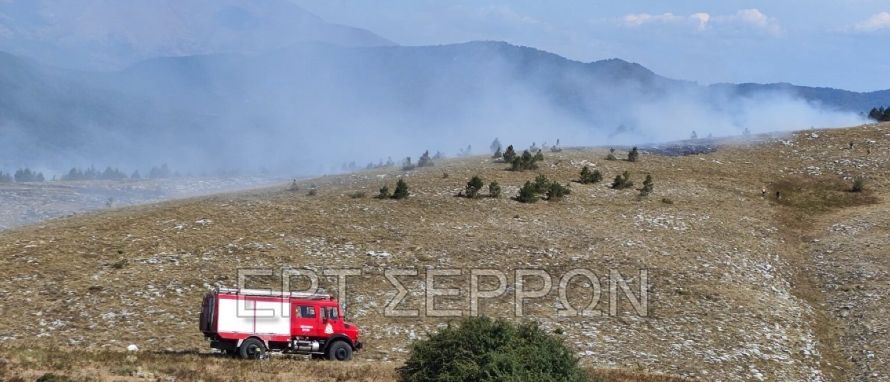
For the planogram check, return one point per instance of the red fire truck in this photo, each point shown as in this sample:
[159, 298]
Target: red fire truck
[251, 323]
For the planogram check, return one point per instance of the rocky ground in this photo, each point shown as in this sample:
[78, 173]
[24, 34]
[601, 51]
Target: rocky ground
[741, 285]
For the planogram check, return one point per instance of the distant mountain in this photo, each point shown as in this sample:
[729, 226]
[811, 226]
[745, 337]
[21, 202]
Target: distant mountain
[835, 98]
[302, 107]
[112, 33]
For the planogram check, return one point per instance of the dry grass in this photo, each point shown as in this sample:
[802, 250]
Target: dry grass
[737, 286]
[69, 364]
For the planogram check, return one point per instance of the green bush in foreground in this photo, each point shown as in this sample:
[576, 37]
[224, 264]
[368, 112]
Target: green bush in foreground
[482, 349]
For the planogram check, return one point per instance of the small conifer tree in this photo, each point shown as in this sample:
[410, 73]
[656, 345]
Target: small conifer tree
[494, 190]
[474, 186]
[401, 191]
[633, 155]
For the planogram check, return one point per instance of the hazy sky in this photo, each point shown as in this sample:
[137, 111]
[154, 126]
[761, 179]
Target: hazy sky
[808, 42]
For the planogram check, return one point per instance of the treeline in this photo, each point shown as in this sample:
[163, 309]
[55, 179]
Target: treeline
[91, 173]
[112, 173]
[880, 114]
[21, 176]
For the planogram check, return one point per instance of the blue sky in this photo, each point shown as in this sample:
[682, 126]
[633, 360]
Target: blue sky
[818, 43]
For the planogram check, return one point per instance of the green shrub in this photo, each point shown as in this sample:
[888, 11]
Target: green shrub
[358, 195]
[542, 184]
[588, 177]
[481, 349]
[622, 181]
[474, 186]
[858, 184]
[425, 160]
[611, 155]
[384, 193]
[556, 191]
[524, 162]
[494, 190]
[539, 156]
[401, 191]
[647, 186]
[527, 193]
[509, 154]
[407, 165]
[633, 155]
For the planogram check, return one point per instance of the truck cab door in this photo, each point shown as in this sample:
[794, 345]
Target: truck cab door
[305, 320]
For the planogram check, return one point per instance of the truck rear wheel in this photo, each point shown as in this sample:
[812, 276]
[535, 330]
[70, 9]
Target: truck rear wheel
[340, 351]
[252, 348]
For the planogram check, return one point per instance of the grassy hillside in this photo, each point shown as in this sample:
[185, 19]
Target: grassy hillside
[741, 286]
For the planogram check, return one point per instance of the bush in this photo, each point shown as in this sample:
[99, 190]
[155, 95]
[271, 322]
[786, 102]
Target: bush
[611, 155]
[384, 193]
[494, 190]
[556, 191]
[539, 156]
[425, 160]
[407, 165]
[358, 195]
[474, 186]
[622, 181]
[633, 155]
[401, 191]
[481, 349]
[527, 193]
[509, 154]
[525, 162]
[647, 186]
[542, 184]
[667, 200]
[588, 177]
[858, 184]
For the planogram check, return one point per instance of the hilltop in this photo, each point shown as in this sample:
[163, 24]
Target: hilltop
[741, 285]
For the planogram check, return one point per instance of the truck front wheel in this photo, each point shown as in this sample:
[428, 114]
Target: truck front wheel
[252, 348]
[340, 351]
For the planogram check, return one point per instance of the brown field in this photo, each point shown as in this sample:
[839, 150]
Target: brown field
[740, 286]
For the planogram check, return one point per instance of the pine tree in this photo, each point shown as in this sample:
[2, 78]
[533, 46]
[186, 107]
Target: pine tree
[494, 190]
[497, 153]
[509, 154]
[611, 155]
[539, 156]
[384, 192]
[588, 177]
[647, 186]
[474, 186]
[541, 184]
[401, 191]
[633, 155]
[407, 165]
[556, 191]
[425, 160]
[527, 193]
[622, 181]
[694, 135]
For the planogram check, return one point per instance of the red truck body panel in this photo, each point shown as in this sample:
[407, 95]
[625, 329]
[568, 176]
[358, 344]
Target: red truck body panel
[284, 321]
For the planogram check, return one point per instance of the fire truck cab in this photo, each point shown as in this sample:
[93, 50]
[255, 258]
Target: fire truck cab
[250, 323]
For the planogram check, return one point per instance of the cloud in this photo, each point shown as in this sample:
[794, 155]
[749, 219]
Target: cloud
[876, 22]
[748, 19]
